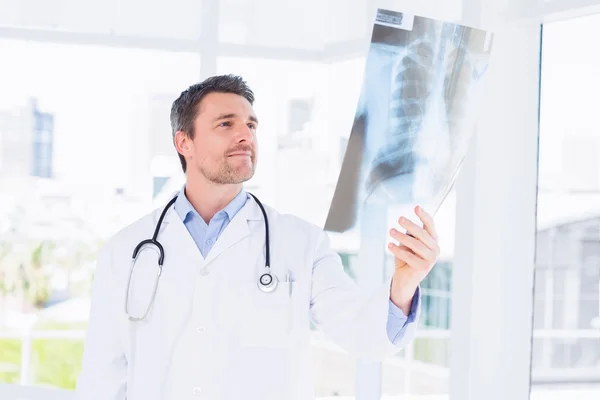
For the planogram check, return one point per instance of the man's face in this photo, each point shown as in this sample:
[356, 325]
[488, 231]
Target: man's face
[224, 144]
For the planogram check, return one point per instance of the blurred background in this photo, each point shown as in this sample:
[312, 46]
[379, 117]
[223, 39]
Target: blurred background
[85, 148]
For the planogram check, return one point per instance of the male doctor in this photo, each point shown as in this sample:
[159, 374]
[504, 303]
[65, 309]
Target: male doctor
[202, 328]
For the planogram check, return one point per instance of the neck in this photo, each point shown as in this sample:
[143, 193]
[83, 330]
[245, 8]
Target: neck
[208, 198]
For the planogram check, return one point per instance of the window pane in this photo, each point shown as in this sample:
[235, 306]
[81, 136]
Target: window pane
[80, 135]
[566, 344]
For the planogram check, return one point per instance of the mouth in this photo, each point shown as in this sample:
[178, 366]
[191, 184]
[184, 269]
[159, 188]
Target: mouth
[240, 154]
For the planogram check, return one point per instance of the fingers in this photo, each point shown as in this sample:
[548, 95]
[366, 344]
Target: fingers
[411, 259]
[419, 233]
[427, 234]
[414, 244]
[428, 222]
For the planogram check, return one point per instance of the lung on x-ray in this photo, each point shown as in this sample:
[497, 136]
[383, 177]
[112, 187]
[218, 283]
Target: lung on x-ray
[420, 97]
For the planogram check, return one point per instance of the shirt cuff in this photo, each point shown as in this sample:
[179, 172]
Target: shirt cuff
[397, 321]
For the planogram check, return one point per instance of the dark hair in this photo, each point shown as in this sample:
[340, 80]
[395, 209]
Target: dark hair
[185, 108]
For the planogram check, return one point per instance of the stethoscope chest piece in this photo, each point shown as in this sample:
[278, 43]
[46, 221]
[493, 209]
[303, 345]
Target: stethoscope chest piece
[267, 282]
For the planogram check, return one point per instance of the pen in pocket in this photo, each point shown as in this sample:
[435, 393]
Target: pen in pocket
[289, 280]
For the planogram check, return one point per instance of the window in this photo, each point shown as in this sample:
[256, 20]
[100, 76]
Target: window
[566, 344]
[581, 162]
[77, 145]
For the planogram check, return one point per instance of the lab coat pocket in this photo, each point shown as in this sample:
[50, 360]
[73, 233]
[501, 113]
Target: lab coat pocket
[266, 319]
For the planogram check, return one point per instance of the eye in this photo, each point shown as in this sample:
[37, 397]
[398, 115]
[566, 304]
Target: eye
[225, 123]
[252, 125]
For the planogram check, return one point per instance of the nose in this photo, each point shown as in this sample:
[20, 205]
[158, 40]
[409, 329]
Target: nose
[244, 134]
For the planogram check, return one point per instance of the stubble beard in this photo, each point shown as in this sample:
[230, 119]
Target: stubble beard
[226, 174]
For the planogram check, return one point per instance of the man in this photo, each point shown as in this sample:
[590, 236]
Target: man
[211, 333]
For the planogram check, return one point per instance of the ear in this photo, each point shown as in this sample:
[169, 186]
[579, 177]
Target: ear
[183, 144]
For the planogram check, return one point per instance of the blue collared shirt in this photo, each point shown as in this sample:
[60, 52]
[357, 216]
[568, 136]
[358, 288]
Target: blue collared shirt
[205, 235]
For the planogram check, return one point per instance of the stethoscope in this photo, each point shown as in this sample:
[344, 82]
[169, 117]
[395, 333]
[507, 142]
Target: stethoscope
[267, 282]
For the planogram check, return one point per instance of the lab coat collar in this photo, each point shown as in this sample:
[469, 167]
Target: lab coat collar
[240, 227]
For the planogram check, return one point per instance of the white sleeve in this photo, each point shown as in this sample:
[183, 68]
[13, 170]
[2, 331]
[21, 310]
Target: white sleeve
[353, 319]
[104, 366]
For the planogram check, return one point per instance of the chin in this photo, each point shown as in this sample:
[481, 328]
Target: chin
[240, 175]
[245, 177]
[243, 168]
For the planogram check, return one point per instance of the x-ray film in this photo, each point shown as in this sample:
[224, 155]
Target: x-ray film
[417, 110]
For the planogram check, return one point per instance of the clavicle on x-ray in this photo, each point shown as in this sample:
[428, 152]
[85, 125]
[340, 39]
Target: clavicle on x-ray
[420, 99]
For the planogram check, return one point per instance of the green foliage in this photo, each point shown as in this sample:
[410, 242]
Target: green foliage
[57, 362]
[54, 362]
[10, 360]
[433, 351]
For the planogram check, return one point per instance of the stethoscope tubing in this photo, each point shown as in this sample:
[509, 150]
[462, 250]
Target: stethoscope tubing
[266, 281]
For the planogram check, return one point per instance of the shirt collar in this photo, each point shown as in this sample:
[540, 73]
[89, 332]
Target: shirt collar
[184, 208]
[236, 204]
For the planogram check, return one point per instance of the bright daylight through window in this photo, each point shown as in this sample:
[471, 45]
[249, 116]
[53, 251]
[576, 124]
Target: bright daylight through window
[84, 147]
[566, 337]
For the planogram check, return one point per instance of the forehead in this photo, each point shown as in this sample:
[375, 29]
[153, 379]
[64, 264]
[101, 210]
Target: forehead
[214, 104]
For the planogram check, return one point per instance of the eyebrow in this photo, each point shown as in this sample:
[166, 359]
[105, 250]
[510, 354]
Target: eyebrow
[233, 115]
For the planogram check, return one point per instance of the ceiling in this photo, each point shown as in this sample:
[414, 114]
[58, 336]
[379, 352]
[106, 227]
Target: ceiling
[312, 30]
[307, 29]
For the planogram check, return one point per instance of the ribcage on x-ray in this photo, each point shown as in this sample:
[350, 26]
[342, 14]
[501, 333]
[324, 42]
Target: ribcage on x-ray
[413, 80]
[415, 118]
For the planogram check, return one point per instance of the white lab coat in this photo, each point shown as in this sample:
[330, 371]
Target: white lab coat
[212, 334]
